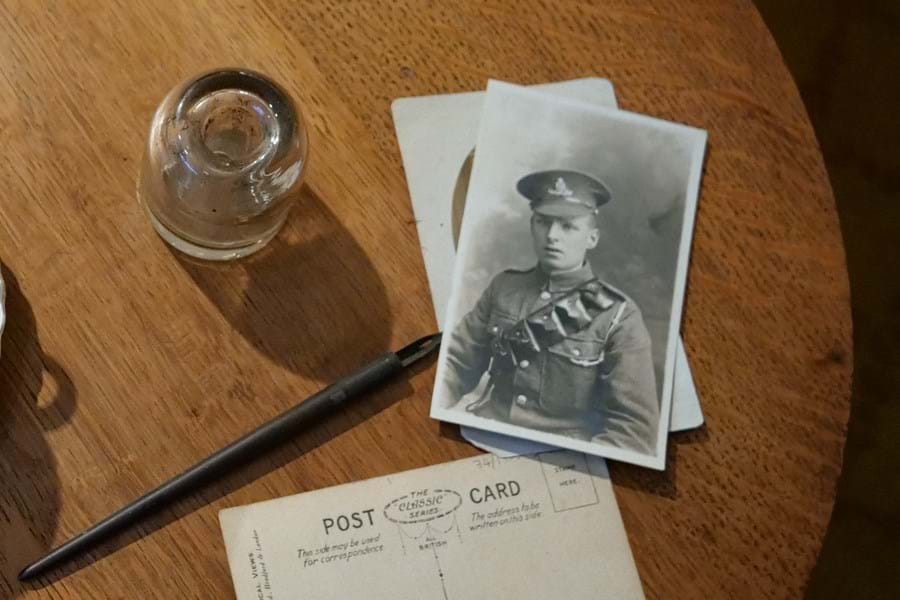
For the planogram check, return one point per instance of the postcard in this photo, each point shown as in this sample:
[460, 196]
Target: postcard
[436, 135]
[460, 530]
[562, 322]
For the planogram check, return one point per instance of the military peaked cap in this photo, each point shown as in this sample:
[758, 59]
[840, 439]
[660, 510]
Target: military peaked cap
[560, 193]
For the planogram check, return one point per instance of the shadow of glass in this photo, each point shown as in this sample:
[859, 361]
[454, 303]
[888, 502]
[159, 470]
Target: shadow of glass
[29, 485]
[311, 300]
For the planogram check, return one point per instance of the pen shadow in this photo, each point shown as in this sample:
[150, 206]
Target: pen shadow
[29, 484]
[311, 300]
[307, 441]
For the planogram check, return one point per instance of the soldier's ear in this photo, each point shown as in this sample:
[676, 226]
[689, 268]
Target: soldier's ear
[594, 237]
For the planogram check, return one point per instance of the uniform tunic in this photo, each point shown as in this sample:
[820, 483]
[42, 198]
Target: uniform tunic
[594, 381]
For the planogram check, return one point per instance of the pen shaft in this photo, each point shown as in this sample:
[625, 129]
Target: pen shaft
[271, 434]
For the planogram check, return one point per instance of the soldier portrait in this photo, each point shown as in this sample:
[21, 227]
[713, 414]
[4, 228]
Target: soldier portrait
[568, 285]
[566, 352]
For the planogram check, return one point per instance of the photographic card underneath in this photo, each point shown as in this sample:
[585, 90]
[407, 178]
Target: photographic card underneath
[567, 289]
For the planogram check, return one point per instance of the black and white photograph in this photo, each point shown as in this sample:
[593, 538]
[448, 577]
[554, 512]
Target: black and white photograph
[568, 286]
[436, 135]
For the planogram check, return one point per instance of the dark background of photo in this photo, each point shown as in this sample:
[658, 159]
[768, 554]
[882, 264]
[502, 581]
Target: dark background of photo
[845, 58]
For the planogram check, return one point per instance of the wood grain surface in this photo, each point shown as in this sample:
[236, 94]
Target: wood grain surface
[123, 363]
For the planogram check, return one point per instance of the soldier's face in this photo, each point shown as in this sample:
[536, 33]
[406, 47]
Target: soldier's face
[561, 243]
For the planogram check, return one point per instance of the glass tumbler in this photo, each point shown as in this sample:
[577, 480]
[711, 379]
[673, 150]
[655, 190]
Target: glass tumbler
[225, 157]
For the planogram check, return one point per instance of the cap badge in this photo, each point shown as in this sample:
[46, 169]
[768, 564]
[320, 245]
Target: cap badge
[560, 189]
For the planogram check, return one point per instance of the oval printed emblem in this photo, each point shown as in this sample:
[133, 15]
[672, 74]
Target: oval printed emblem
[423, 505]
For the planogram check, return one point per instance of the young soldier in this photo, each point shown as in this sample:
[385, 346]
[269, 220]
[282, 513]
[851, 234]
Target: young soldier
[567, 353]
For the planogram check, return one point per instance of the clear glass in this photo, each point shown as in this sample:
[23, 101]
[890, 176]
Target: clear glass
[225, 157]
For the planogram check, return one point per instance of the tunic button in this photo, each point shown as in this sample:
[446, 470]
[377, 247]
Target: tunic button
[524, 364]
[576, 352]
[545, 317]
[520, 399]
[495, 329]
[545, 295]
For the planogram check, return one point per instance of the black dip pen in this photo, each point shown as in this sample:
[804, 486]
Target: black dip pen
[273, 433]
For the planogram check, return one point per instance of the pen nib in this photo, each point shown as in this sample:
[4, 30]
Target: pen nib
[27, 573]
[419, 349]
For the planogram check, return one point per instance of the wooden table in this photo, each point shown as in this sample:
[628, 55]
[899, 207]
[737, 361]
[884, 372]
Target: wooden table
[124, 363]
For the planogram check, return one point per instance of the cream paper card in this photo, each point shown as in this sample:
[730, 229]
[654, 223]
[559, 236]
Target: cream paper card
[523, 528]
